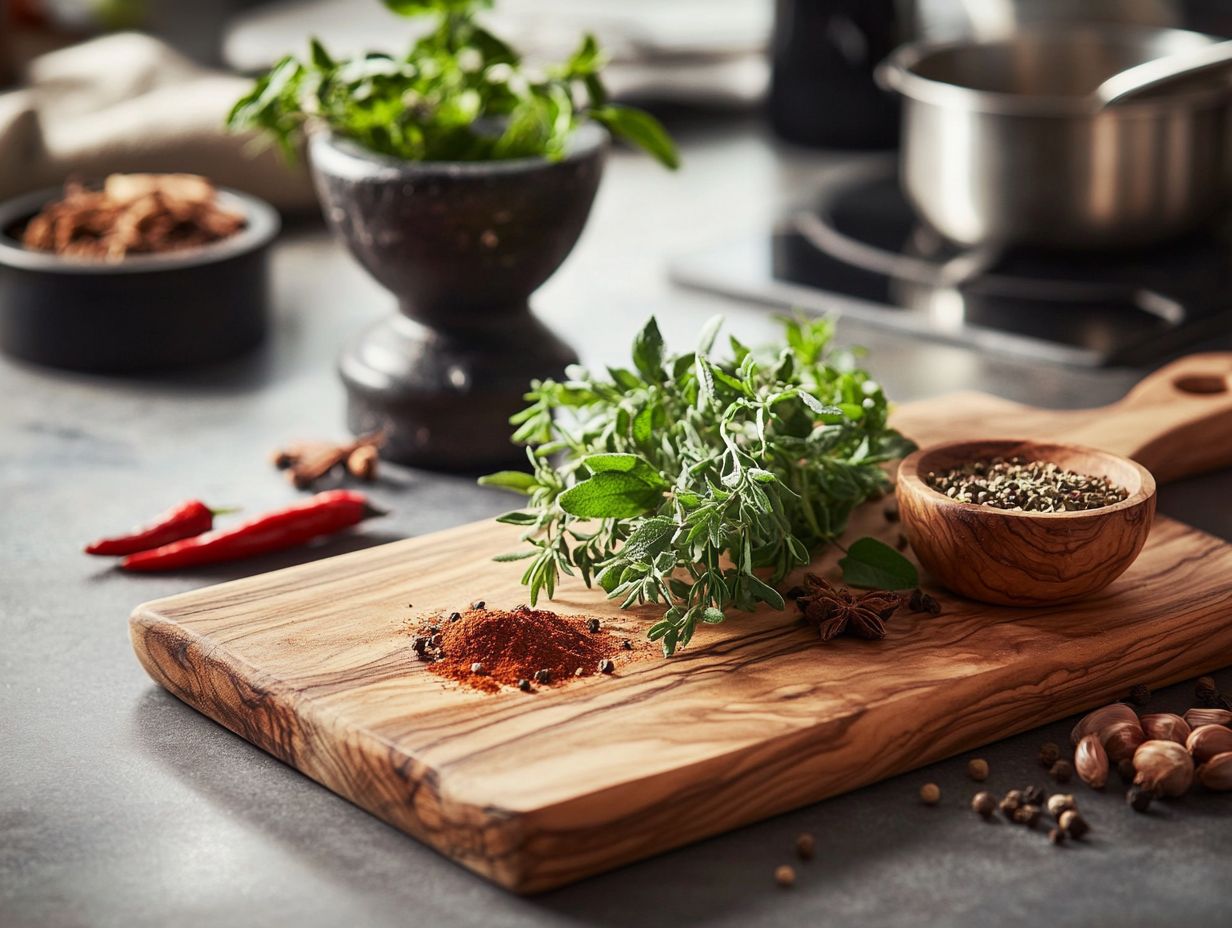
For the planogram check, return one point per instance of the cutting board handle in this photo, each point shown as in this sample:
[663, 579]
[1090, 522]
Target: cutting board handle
[1178, 421]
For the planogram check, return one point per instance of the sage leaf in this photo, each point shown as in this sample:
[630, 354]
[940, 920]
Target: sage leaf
[648, 352]
[649, 539]
[633, 464]
[516, 480]
[610, 495]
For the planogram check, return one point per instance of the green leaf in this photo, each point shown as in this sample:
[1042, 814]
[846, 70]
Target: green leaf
[518, 518]
[649, 539]
[875, 565]
[818, 407]
[624, 463]
[320, 57]
[515, 555]
[515, 480]
[643, 425]
[420, 7]
[641, 129]
[610, 495]
[648, 352]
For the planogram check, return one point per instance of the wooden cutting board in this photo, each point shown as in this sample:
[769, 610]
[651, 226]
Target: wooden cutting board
[313, 665]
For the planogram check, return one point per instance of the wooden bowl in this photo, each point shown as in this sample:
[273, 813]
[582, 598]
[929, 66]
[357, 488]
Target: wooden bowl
[1024, 558]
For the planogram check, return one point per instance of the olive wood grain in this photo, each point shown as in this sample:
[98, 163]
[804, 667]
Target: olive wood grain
[313, 665]
[1024, 558]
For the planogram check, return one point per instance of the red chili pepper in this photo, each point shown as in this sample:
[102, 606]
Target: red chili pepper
[323, 514]
[183, 521]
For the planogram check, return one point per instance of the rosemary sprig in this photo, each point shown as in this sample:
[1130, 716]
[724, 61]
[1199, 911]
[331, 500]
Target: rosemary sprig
[699, 482]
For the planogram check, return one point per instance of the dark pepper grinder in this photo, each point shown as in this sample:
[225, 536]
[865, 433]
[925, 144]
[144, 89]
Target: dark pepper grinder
[822, 91]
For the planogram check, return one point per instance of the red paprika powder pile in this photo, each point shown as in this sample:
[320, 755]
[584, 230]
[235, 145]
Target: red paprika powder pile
[525, 648]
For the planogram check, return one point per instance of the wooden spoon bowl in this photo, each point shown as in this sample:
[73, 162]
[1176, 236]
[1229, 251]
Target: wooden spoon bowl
[1019, 558]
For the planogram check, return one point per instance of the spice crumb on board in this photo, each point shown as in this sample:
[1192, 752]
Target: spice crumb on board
[489, 648]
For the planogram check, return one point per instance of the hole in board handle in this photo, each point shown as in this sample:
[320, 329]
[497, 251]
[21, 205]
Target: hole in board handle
[1205, 384]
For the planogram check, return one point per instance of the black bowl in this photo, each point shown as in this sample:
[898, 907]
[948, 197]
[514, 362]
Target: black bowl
[147, 312]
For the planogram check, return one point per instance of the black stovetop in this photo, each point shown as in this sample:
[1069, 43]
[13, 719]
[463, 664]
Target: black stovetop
[859, 250]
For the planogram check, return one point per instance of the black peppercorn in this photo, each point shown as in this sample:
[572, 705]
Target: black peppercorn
[984, 804]
[419, 643]
[1074, 824]
[627, 644]
[919, 601]
[455, 616]
[1139, 799]
[1027, 814]
[1062, 771]
[478, 669]
[1049, 754]
[1206, 693]
[785, 876]
[1033, 795]
[524, 685]
[606, 666]
[543, 676]
[806, 846]
[592, 625]
[1009, 803]
[479, 604]
[1056, 836]
[435, 640]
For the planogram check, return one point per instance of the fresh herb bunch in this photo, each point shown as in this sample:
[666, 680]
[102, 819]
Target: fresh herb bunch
[701, 483]
[460, 94]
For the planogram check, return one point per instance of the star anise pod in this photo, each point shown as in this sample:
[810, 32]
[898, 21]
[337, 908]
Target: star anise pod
[835, 610]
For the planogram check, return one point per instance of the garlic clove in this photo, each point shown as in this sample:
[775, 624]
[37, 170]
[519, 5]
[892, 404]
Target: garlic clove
[1121, 739]
[1198, 717]
[1165, 726]
[1208, 740]
[1095, 722]
[1091, 762]
[1164, 767]
[1216, 773]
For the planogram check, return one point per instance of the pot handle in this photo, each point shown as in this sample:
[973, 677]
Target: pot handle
[888, 75]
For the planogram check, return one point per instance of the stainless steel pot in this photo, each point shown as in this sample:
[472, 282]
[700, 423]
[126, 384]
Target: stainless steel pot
[1002, 142]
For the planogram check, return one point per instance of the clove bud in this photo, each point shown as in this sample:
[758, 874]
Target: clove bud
[1208, 740]
[1091, 762]
[1164, 767]
[1165, 726]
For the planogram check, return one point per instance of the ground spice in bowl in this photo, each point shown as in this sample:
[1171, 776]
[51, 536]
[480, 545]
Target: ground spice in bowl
[132, 214]
[524, 648]
[1027, 486]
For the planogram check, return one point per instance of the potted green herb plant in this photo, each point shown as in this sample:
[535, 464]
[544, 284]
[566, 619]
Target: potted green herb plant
[460, 179]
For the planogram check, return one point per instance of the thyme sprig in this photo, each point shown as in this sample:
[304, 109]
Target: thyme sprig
[699, 482]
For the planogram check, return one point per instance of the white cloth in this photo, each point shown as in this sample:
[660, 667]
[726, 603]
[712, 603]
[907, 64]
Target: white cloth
[128, 103]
